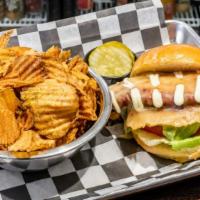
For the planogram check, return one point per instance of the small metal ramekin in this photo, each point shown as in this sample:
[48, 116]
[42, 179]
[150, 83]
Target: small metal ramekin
[55, 155]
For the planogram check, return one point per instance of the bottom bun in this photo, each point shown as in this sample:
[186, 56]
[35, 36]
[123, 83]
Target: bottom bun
[164, 150]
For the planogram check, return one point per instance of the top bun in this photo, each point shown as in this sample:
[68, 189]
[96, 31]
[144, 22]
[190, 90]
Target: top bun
[168, 58]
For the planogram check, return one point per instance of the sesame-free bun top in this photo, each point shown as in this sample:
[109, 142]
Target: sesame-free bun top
[168, 58]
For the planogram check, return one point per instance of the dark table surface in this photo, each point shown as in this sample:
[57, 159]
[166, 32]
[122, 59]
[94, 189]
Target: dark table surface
[188, 189]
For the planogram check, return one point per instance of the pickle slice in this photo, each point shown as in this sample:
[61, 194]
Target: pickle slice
[112, 59]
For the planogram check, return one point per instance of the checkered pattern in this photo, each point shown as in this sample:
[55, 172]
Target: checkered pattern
[107, 165]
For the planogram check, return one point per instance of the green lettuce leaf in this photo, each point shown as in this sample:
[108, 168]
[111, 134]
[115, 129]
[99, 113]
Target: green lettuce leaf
[186, 143]
[169, 132]
[151, 139]
[180, 133]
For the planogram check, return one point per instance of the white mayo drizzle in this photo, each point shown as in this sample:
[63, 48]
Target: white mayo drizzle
[128, 84]
[154, 79]
[157, 98]
[178, 75]
[179, 95]
[197, 90]
[137, 99]
[114, 101]
[154, 142]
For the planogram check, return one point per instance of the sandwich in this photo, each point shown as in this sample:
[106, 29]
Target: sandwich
[160, 102]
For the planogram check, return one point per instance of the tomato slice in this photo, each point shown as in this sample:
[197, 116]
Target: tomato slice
[198, 132]
[158, 130]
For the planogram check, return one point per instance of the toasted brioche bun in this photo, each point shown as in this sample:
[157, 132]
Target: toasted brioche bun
[164, 150]
[169, 117]
[168, 58]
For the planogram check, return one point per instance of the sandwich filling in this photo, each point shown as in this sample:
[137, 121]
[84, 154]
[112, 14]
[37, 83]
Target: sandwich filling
[178, 128]
[179, 138]
[162, 109]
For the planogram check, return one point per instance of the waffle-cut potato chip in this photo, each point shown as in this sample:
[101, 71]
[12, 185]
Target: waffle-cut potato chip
[88, 105]
[19, 51]
[45, 117]
[56, 70]
[53, 123]
[56, 54]
[57, 65]
[26, 67]
[31, 141]
[44, 112]
[26, 70]
[77, 63]
[57, 98]
[87, 108]
[5, 67]
[9, 129]
[4, 38]
[7, 57]
[71, 135]
[15, 83]
[57, 132]
[82, 126]
[78, 80]
[15, 51]
[26, 120]
[64, 55]
[61, 96]
[92, 84]
[8, 100]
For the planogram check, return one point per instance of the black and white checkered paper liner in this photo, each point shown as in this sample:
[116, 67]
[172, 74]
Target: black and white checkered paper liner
[107, 165]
